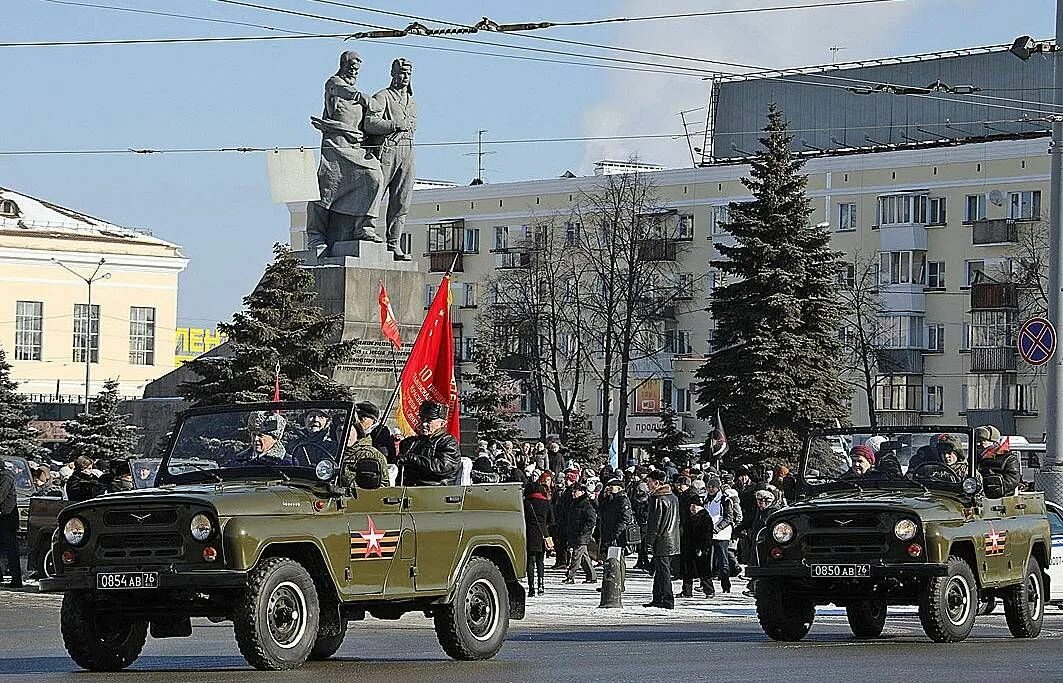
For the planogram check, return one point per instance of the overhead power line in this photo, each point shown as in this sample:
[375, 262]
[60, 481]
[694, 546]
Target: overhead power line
[135, 10]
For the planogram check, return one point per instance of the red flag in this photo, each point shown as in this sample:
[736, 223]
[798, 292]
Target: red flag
[388, 324]
[429, 373]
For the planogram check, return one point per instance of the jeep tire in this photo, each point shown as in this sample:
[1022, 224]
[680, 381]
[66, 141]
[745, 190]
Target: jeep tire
[96, 640]
[276, 617]
[949, 603]
[474, 624]
[866, 618]
[1024, 603]
[782, 619]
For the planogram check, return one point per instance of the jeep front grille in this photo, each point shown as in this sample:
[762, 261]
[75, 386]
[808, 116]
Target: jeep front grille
[139, 517]
[841, 544]
[120, 546]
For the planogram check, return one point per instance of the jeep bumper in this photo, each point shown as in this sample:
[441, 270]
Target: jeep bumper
[170, 577]
[803, 571]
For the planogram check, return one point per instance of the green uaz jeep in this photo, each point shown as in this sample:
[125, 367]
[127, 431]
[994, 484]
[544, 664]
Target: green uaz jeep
[911, 525]
[267, 532]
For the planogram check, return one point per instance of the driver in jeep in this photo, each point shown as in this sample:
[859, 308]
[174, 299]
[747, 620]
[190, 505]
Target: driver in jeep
[317, 443]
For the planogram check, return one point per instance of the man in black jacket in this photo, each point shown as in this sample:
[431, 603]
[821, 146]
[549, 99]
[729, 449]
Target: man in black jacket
[9, 525]
[83, 484]
[662, 538]
[616, 519]
[431, 457]
[998, 466]
[580, 524]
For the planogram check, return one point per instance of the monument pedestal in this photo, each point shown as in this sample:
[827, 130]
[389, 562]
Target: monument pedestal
[348, 284]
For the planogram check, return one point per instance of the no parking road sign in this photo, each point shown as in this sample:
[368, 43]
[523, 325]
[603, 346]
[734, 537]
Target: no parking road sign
[1037, 341]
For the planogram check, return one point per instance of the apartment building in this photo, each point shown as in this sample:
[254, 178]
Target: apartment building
[936, 191]
[49, 328]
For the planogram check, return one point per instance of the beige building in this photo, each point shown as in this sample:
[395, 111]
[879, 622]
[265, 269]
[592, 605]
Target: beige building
[47, 327]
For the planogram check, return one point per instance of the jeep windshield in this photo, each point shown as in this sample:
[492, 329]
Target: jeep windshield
[280, 440]
[860, 459]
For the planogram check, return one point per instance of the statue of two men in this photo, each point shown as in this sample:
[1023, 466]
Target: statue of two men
[366, 154]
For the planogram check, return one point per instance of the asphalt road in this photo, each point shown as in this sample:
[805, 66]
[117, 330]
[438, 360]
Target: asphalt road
[671, 647]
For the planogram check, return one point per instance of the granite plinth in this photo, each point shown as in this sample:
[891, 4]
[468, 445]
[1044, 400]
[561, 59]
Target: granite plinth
[358, 255]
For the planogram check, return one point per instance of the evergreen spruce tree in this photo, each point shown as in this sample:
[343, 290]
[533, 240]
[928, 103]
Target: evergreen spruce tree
[669, 436]
[493, 393]
[102, 433]
[17, 438]
[580, 440]
[775, 373]
[280, 323]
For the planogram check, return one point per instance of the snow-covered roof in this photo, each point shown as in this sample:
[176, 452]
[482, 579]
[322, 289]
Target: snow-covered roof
[22, 212]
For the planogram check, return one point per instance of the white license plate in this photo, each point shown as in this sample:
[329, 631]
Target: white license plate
[127, 580]
[841, 571]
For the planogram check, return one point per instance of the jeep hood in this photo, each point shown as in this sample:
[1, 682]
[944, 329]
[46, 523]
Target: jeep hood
[229, 499]
[930, 507]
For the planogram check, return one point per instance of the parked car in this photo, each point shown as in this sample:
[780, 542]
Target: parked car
[1055, 567]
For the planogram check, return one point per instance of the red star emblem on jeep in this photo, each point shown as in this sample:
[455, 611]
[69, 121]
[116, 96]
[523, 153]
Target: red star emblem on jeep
[373, 542]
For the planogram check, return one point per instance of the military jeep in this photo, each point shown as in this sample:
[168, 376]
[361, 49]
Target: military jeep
[913, 530]
[273, 537]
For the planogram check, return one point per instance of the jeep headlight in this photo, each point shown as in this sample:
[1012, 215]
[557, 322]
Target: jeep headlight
[75, 531]
[783, 532]
[905, 530]
[202, 527]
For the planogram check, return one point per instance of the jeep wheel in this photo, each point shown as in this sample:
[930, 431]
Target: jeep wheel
[948, 606]
[867, 618]
[327, 645]
[785, 620]
[276, 618]
[1024, 605]
[474, 624]
[99, 641]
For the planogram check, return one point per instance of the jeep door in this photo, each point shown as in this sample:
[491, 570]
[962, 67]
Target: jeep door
[438, 522]
[993, 541]
[382, 543]
[1055, 565]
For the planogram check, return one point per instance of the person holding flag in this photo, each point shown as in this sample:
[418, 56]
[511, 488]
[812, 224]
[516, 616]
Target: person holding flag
[997, 462]
[431, 457]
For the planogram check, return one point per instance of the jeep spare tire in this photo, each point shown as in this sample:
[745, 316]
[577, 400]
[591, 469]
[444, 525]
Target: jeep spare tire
[949, 603]
[867, 618]
[474, 624]
[96, 640]
[1024, 603]
[276, 618]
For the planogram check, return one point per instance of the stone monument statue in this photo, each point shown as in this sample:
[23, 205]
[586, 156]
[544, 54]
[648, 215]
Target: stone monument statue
[349, 175]
[390, 124]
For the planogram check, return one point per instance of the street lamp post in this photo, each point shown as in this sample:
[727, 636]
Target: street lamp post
[87, 351]
[1050, 477]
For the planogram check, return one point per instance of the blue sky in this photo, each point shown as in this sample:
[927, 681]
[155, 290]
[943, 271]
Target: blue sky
[261, 94]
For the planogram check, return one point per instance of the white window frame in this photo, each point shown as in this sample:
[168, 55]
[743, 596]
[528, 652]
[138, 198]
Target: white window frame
[901, 209]
[718, 215]
[141, 335]
[935, 275]
[846, 216]
[470, 241]
[979, 203]
[429, 295]
[936, 213]
[902, 267]
[501, 237]
[468, 295]
[684, 226]
[1024, 205]
[969, 273]
[935, 337]
[934, 399]
[29, 330]
[86, 321]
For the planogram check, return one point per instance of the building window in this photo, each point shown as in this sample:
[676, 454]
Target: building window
[935, 337]
[971, 269]
[894, 393]
[719, 216]
[935, 211]
[934, 402]
[684, 226]
[992, 329]
[1024, 205]
[141, 335]
[902, 267]
[964, 388]
[974, 208]
[682, 400]
[902, 209]
[445, 237]
[935, 275]
[465, 347]
[86, 333]
[572, 230]
[648, 397]
[406, 243]
[501, 237]
[29, 317]
[846, 217]
[902, 331]
[468, 295]
[471, 241]
[710, 284]
[8, 209]
[429, 294]
[846, 275]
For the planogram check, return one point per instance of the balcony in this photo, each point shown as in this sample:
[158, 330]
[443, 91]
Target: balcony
[897, 418]
[658, 250]
[440, 261]
[994, 295]
[514, 362]
[993, 359]
[994, 231]
[900, 361]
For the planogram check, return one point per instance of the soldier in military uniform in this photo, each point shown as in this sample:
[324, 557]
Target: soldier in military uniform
[430, 458]
[363, 464]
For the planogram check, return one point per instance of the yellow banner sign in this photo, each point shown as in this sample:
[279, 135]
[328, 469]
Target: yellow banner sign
[193, 341]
